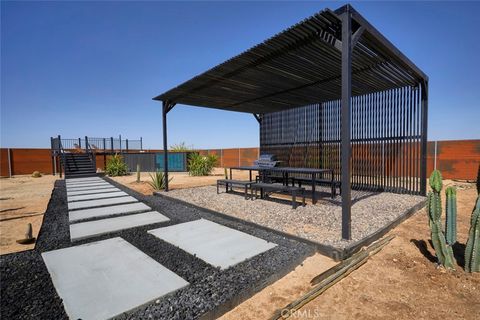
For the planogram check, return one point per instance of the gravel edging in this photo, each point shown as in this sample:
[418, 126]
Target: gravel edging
[28, 292]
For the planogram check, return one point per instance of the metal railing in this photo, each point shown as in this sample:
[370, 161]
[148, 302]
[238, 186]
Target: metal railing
[90, 152]
[57, 150]
[98, 144]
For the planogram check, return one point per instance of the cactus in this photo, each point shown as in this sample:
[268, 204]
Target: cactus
[138, 172]
[451, 220]
[472, 249]
[443, 252]
[225, 172]
[436, 181]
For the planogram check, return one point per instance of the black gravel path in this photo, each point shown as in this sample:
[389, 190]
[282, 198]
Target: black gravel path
[28, 293]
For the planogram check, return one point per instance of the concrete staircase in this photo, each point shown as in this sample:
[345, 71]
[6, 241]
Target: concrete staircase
[78, 165]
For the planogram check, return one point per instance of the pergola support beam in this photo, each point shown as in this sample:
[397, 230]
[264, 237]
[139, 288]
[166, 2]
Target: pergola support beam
[345, 124]
[166, 107]
[423, 152]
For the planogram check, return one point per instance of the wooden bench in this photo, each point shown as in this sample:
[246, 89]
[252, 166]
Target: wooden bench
[321, 182]
[273, 187]
[234, 183]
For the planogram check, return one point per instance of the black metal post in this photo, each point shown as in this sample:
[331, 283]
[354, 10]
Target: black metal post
[423, 159]
[52, 152]
[141, 144]
[104, 146]
[126, 144]
[165, 151]
[345, 123]
[111, 143]
[60, 157]
[120, 141]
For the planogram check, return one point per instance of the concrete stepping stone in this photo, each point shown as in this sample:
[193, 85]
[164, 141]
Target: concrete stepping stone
[106, 186]
[92, 191]
[83, 197]
[215, 244]
[70, 182]
[82, 230]
[85, 214]
[82, 179]
[93, 184]
[81, 183]
[104, 279]
[100, 202]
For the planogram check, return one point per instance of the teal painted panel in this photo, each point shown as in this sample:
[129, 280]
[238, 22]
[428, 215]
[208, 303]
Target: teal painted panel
[176, 161]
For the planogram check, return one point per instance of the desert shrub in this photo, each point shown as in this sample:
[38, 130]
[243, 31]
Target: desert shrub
[199, 165]
[158, 180]
[116, 166]
[182, 146]
[36, 174]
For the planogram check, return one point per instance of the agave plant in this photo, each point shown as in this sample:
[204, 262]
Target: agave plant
[158, 180]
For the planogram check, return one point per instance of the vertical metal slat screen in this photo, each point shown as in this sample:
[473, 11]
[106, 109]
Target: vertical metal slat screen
[386, 139]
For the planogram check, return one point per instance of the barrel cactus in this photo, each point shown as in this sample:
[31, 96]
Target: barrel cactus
[443, 251]
[472, 250]
[451, 220]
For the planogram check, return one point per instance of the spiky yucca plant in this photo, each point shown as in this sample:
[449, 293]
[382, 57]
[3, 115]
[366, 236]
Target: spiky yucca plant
[158, 180]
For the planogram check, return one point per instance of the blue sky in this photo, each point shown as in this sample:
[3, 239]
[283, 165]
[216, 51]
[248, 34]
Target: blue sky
[91, 68]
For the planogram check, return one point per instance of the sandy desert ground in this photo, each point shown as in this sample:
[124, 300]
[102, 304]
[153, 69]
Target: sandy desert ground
[23, 200]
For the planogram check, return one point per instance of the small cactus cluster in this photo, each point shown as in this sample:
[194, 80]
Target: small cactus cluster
[443, 251]
[472, 250]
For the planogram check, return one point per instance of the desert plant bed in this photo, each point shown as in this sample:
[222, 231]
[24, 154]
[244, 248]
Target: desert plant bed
[28, 292]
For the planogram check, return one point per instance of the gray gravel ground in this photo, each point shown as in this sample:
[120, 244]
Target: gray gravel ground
[320, 222]
[27, 291]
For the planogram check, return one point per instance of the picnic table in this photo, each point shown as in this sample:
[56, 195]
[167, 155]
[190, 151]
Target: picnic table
[285, 171]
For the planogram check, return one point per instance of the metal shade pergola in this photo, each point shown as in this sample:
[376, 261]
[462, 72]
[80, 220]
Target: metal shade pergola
[326, 89]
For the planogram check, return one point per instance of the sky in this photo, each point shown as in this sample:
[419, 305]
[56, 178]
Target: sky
[92, 68]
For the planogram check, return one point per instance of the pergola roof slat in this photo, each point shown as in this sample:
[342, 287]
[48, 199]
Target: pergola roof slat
[299, 66]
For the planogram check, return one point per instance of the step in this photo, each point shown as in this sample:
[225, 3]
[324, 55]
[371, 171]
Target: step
[83, 230]
[121, 209]
[105, 279]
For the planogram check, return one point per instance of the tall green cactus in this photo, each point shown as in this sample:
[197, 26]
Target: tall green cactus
[138, 172]
[472, 250]
[443, 252]
[436, 181]
[451, 220]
